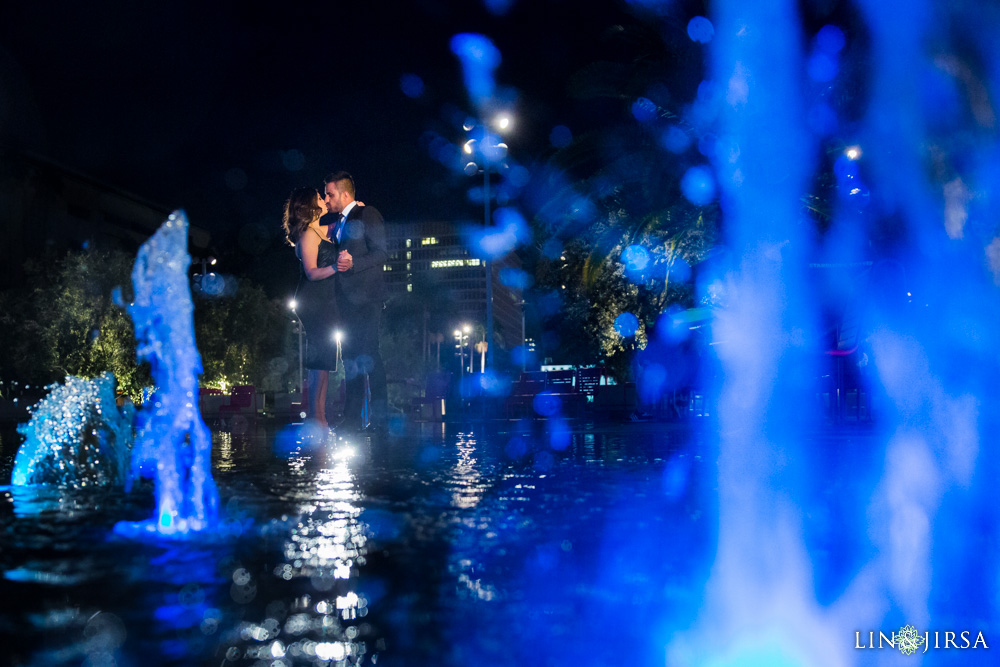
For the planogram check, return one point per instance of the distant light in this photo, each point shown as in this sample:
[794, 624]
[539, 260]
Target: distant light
[466, 328]
[700, 29]
[330, 651]
[636, 260]
[822, 67]
[457, 333]
[345, 453]
[411, 85]
[503, 122]
[212, 261]
[560, 136]
[293, 304]
[480, 57]
[471, 169]
[519, 176]
[338, 336]
[830, 38]
[498, 7]
[467, 148]
[644, 109]
[698, 185]
[468, 125]
[626, 325]
[853, 152]
[675, 140]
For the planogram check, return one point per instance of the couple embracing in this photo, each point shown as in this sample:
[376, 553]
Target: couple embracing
[341, 247]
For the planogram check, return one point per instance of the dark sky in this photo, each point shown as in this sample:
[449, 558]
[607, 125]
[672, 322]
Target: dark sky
[203, 105]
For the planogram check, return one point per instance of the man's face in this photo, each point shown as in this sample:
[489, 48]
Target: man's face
[336, 199]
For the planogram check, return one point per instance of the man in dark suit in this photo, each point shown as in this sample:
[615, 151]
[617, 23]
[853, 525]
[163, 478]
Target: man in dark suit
[359, 232]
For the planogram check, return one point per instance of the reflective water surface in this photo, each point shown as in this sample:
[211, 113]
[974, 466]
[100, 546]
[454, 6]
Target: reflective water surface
[441, 545]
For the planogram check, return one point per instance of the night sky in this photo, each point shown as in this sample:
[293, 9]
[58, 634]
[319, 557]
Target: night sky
[223, 107]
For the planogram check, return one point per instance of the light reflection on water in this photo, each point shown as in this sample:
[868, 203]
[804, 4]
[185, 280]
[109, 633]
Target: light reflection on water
[466, 478]
[324, 547]
[422, 550]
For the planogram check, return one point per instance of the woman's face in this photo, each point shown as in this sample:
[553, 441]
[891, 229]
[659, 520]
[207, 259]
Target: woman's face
[321, 203]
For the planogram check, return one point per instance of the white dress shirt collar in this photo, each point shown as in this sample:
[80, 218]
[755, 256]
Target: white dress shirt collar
[347, 209]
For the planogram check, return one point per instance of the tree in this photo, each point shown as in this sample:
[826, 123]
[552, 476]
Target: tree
[244, 338]
[68, 324]
[620, 186]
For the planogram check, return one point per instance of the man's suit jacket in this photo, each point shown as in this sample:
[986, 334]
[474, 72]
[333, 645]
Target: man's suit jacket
[363, 236]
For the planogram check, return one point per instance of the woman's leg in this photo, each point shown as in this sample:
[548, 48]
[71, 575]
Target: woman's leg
[316, 407]
[324, 381]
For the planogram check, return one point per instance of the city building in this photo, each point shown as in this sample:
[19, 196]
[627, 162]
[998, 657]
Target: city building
[434, 256]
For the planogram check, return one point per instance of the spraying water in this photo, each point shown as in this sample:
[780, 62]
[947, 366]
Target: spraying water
[76, 437]
[890, 550]
[173, 445]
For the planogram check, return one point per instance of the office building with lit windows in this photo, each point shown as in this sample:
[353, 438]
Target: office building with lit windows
[435, 254]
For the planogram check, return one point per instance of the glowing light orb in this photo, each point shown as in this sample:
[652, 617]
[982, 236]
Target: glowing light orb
[411, 85]
[698, 185]
[626, 325]
[560, 136]
[644, 109]
[700, 29]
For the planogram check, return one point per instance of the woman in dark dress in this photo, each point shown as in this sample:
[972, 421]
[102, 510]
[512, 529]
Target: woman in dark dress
[316, 301]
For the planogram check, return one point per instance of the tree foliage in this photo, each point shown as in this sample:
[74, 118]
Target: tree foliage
[66, 323]
[244, 338]
[618, 186]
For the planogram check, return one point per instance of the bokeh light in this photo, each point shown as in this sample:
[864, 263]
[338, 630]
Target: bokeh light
[626, 324]
[698, 185]
[561, 136]
[700, 29]
[411, 85]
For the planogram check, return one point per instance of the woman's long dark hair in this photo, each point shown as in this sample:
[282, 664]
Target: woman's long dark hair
[300, 210]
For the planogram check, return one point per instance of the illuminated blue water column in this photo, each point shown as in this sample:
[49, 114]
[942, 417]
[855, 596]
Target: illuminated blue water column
[916, 502]
[173, 445]
[936, 160]
[759, 608]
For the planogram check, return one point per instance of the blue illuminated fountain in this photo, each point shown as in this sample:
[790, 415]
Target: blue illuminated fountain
[173, 445]
[914, 520]
[78, 437]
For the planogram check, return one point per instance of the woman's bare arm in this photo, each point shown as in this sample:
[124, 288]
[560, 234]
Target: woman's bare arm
[309, 253]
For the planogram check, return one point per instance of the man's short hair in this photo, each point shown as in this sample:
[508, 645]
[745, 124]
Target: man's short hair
[343, 180]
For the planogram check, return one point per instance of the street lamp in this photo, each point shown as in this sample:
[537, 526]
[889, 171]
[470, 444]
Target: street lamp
[205, 263]
[292, 305]
[491, 151]
[206, 283]
[465, 341]
[524, 339]
[462, 339]
[461, 355]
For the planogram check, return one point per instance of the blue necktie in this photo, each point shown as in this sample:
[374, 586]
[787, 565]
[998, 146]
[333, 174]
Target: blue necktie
[340, 226]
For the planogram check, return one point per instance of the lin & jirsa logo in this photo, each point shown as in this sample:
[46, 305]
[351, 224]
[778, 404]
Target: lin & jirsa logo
[909, 640]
